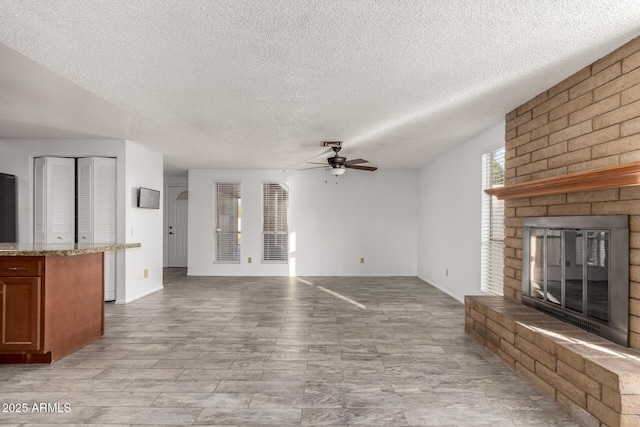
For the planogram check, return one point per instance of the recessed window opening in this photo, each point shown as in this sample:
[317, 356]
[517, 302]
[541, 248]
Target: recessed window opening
[492, 261]
[275, 222]
[228, 235]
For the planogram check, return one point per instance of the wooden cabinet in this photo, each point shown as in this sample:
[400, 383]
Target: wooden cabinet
[50, 306]
[20, 313]
[20, 304]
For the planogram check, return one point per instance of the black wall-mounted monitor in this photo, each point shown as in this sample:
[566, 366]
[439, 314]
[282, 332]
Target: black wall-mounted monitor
[148, 199]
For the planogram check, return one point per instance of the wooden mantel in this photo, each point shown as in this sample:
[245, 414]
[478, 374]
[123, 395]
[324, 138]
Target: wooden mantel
[624, 175]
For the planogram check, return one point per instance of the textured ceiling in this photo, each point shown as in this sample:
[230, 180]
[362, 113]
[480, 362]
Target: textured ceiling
[258, 84]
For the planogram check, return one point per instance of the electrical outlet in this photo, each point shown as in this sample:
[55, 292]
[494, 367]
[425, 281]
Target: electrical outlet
[249, 260]
[361, 260]
[146, 273]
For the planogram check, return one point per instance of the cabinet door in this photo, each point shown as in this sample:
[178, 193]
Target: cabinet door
[20, 313]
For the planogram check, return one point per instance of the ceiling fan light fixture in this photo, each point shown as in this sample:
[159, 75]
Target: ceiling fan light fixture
[337, 171]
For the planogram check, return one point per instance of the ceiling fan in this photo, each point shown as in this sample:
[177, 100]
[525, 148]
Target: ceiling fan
[337, 164]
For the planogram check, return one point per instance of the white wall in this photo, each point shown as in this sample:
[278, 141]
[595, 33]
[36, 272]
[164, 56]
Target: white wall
[449, 228]
[369, 215]
[202, 222]
[144, 168]
[366, 214]
[16, 158]
[135, 164]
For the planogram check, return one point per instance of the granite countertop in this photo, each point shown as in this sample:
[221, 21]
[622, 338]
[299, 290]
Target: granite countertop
[60, 249]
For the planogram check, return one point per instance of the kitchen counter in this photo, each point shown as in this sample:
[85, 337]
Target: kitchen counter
[51, 299]
[60, 249]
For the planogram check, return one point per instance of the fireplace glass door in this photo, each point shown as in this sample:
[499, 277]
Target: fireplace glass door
[576, 268]
[574, 273]
[569, 271]
[597, 277]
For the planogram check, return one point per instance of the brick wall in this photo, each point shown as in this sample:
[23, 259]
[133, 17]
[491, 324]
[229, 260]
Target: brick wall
[588, 121]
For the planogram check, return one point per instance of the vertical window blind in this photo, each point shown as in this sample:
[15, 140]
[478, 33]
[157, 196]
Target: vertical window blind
[275, 222]
[492, 223]
[228, 224]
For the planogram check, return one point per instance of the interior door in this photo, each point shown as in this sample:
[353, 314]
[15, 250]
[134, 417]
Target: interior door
[97, 211]
[177, 225]
[54, 200]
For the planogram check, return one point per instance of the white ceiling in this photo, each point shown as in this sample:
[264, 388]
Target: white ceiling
[258, 84]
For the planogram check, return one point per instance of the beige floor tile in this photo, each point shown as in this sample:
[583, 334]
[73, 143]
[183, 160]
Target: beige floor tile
[278, 351]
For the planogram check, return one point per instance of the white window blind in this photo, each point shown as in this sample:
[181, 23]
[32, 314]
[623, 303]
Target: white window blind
[228, 224]
[492, 223]
[275, 222]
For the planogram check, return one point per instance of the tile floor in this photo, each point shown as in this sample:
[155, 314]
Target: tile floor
[281, 351]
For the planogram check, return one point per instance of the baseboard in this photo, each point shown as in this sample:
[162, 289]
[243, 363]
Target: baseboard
[137, 297]
[443, 289]
[304, 275]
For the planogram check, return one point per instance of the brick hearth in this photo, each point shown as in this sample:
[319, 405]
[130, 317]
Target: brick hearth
[595, 380]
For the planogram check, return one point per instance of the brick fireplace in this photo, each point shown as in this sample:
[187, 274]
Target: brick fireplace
[588, 122]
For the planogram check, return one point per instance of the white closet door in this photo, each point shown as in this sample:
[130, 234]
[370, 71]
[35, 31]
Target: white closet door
[104, 199]
[54, 203]
[61, 200]
[97, 186]
[104, 217]
[97, 200]
[85, 204]
[110, 271]
[39, 202]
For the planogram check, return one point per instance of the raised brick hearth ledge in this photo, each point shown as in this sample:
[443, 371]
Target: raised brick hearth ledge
[595, 380]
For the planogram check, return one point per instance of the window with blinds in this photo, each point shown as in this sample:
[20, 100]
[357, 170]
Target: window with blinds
[492, 223]
[275, 222]
[228, 224]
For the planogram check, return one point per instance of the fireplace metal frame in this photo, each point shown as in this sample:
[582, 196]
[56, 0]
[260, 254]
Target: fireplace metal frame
[617, 327]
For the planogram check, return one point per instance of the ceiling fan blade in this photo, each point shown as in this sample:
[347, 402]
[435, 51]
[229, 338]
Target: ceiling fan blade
[362, 168]
[317, 163]
[313, 167]
[355, 161]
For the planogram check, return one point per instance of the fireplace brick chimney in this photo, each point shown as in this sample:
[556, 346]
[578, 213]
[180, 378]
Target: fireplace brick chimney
[588, 121]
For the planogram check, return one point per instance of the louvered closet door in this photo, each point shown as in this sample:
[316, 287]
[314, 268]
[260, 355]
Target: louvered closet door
[54, 203]
[97, 200]
[39, 202]
[104, 200]
[104, 217]
[97, 184]
[85, 205]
